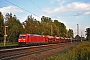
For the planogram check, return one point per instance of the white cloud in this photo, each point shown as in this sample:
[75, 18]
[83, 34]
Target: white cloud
[53, 1]
[75, 6]
[60, 2]
[10, 9]
[82, 13]
[87, 13]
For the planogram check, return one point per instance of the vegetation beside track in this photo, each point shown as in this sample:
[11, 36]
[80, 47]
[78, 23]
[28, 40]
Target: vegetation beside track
[80, 52]
[8, 44]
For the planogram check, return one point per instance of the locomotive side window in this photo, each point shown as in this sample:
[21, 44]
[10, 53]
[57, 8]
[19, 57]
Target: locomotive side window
[22, 36]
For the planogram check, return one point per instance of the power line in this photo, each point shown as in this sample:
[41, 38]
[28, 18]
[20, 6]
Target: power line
[7, 4]
[3, 2]
[21, 8]
[37, 6]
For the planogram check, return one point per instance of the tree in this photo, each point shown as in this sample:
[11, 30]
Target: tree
[32, 26]
[70, 33]
[1, 27]
[63, 30]
[55, 30]
[58, 24]
[77, 37]
[46, 19]
[46, 28]
[88, 34]
[14, 27]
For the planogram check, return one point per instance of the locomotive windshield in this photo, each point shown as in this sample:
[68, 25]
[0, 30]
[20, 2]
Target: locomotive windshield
[22, 36]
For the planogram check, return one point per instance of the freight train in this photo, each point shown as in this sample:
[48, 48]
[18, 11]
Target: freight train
[32, 39]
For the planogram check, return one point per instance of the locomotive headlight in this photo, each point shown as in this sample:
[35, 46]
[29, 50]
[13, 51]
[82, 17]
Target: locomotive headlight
[23, 39]
[19, 41]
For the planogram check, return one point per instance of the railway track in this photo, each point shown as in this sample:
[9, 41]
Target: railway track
[9, 55]
[9, 47]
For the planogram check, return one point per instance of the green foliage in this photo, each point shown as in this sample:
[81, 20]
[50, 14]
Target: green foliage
[63, 30]
[88, 34]
[77, 37]
[32, 26]
[58, 24]
[80, 52]
[70, 33]
[1, 27]
[45, 27]
[13, 29]
[46, 19]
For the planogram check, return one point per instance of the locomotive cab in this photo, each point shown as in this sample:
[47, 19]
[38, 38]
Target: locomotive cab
[22, 39]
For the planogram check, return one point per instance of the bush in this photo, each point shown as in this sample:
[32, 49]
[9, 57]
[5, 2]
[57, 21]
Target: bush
[80, 52]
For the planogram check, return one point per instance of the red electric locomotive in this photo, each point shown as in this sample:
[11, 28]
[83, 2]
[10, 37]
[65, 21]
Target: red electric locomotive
[31, 39]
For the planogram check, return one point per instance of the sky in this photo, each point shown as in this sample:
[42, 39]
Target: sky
[69, 12]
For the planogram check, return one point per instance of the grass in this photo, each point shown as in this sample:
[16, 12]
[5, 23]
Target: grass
[79, 52]
[8, 44]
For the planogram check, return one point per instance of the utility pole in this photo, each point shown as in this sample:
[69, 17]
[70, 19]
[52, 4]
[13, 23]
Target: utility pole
[81, 35]
[51, 30]
[5, 35]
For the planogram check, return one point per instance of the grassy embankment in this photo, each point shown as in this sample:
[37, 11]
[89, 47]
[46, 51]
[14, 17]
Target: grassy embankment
[8, 44]
[80, 52]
